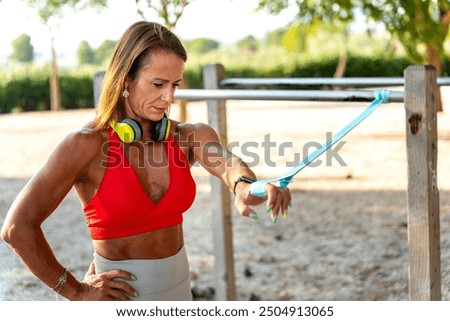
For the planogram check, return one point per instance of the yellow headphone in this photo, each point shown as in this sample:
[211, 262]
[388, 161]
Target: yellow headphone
[129, 130]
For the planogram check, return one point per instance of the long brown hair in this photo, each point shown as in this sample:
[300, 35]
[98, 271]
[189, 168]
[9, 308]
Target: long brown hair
[130, 55]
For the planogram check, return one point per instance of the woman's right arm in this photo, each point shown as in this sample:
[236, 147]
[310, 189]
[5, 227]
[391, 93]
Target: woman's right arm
[37, 201]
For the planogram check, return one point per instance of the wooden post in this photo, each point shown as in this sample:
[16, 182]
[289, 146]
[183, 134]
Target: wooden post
[423, 193]
[183, 105]
[220, 194]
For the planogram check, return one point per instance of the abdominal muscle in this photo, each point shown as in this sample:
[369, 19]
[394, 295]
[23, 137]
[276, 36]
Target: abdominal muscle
[156, 244]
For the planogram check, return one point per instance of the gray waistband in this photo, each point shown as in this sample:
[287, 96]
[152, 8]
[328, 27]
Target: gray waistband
[157, 279]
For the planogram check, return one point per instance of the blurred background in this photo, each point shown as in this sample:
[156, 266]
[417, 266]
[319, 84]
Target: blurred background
[346, 238]
[63, 43]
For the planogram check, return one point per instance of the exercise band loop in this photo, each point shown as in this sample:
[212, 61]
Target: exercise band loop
[257, 188]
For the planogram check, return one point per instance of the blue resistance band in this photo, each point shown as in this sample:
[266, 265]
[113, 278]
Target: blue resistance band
[257, 188]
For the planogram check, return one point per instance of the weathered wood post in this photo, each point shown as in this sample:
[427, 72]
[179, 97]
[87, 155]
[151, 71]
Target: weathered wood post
[423, 193]
[220, 194]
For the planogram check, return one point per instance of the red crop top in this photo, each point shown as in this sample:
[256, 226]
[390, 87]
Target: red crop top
[121, 207]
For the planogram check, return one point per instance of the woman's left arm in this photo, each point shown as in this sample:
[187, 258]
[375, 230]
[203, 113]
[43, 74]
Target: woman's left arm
[211, 154]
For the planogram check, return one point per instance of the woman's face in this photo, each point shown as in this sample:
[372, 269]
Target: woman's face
[152, 92]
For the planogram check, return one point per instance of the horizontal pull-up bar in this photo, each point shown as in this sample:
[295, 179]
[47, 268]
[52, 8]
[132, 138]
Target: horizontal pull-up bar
[293, 95]
[423, 195]
[347, 82]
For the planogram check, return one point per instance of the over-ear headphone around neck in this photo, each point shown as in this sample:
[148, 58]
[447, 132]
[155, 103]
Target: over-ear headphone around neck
[129, 130]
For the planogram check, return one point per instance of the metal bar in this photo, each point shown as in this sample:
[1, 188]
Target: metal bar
[292, 95]
[347, 82]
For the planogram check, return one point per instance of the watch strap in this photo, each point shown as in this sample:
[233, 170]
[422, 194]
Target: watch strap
[242, 179]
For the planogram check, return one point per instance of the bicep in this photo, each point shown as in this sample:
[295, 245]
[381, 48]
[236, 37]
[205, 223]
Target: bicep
[208, 150]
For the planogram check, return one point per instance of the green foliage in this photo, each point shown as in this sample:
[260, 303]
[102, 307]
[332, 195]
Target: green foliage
[201, 45]
[22, 49]
[193, 77]
[47, 9]
[249, 43]
[85, 53]
[295, 67]
[309, 11]
[99, 57]
[76, 91]
[274, 38]
[170, 11]
[104, 52]
[295, 39]
[26, 88]
[413, 22]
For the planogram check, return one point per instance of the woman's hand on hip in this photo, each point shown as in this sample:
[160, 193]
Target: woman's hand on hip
[107, 286]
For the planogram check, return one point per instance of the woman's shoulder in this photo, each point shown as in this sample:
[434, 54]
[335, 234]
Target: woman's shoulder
[189, 131]
[87, 141]
[78, 151]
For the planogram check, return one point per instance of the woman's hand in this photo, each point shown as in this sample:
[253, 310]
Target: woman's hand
[278, 201]
[106, 286]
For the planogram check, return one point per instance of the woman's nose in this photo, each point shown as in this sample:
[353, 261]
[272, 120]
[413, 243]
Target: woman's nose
[168, 96]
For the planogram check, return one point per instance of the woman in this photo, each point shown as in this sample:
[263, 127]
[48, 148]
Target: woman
[131, 170]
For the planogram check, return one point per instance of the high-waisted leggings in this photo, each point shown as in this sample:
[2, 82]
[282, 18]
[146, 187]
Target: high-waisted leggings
[164, 279]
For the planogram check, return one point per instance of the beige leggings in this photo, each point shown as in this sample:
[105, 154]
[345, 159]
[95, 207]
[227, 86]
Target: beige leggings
[164, 279]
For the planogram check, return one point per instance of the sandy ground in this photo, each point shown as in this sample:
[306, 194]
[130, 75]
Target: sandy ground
[346, 234]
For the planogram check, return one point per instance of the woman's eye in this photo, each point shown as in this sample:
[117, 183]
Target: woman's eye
[160, 85]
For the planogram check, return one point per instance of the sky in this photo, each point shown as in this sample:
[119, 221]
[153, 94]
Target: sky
[223, 20]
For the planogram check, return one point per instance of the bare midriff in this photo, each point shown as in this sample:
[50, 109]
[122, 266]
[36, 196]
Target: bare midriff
[155, 244]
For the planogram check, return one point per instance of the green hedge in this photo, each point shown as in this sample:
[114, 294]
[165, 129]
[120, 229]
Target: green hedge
[356, 67]
[31, 91]
[76, 92]
[27, 94]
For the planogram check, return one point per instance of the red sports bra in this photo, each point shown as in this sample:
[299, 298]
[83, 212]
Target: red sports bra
[121, 207]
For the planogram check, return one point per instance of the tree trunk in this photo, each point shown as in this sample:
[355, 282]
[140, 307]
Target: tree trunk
[55, 92]
[340, 68]
[183, 105]
[342, 65]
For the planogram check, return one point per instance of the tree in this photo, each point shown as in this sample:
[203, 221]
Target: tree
[415, 23]
[104, 51]
[50, 12]
[169, 10]
[85, 53]
[202, 45]
[274, 38]
[23, 51]
[248, 43]
[295, 39]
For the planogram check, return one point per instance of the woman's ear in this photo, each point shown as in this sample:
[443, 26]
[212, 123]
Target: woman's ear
[126, 84]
